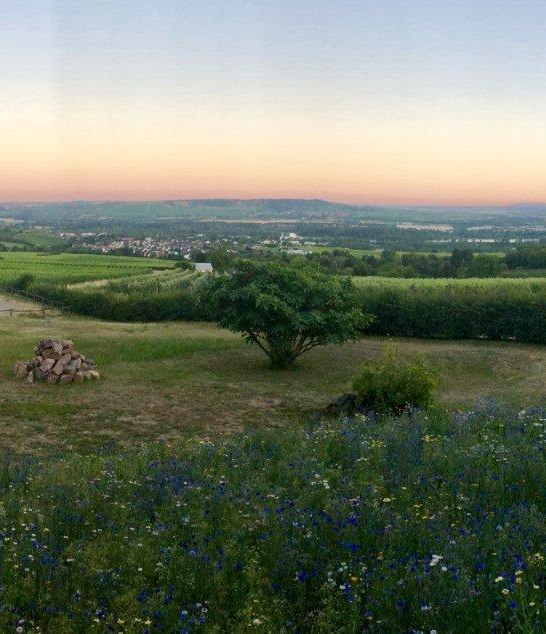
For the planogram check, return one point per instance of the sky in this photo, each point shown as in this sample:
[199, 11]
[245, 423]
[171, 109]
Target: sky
[365, 101]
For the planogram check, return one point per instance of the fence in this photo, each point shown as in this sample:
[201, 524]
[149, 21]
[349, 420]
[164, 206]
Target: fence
[38, 299]
[12, 311]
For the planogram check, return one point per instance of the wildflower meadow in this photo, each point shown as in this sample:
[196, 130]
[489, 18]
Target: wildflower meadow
[421, 523]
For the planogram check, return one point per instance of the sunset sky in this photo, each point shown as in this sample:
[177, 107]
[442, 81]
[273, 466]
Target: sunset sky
[372, 101]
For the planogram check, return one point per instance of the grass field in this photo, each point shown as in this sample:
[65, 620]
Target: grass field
[165, 381]
[68, 268]
[39, 238]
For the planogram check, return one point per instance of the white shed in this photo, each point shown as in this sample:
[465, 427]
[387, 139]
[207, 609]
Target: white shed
[204, 267]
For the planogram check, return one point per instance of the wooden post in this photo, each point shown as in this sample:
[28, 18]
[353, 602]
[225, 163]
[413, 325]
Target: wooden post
[11, 312]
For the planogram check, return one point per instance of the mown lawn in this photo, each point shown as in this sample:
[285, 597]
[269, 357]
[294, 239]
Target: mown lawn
[170, 380]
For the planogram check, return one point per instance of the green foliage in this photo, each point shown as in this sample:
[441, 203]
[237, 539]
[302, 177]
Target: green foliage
[462, 263]
[529, 256]
[393, 385]
[483, 265]
[21, 283]
[496, 309]
[133, 306]
[221, 258]
[286, 311]
[461, 257]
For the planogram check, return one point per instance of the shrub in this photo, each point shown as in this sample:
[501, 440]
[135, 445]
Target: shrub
[22, 282]
[166, 305]
[393, 385]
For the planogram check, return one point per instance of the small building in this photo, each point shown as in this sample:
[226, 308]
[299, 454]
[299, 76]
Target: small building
[204, 267]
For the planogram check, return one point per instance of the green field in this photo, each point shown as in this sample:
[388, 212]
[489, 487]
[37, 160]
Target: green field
[152, 282]
[164, 381]
[24, 238]
[67, 268]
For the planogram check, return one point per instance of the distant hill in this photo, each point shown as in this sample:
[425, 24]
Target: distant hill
[257, 209]
[220, 207]
[528, 207]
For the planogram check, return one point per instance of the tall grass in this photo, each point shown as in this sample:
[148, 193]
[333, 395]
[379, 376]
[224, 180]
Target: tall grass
[423, 523]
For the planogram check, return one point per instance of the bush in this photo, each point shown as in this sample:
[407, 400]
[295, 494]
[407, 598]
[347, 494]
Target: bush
[392, 385]
[21, 283]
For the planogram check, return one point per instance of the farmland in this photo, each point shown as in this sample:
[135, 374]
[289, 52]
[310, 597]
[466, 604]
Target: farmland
[501, 308]
[359, 253]
[154, 282]
[66, 268]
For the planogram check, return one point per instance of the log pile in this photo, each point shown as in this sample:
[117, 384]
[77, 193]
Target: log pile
[56, 361]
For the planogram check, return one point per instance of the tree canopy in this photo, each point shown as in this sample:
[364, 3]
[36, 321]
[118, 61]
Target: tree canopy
[285, 310]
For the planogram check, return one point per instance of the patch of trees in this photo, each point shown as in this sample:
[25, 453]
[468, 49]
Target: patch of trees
[527, 257]
[462, 263]
[221, 258]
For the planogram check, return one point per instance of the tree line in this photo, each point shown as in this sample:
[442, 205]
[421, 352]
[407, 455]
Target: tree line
[460, 263]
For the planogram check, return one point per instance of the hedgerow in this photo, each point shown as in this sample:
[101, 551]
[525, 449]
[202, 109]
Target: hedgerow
[470, 309]
[495, 309]
[166, 305]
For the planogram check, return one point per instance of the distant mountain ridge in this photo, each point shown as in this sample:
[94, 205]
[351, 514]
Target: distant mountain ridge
[260, 208]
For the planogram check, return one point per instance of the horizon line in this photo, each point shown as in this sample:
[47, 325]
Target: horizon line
[272, 198]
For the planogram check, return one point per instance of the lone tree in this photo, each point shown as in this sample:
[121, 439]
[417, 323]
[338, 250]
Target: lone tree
[286, 311]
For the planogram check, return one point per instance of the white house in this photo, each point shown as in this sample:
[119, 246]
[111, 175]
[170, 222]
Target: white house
[204, 267]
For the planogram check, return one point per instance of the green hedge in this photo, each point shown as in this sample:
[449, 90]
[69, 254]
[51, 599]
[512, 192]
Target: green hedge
[168, 305]
[465, 312]
[514, 311]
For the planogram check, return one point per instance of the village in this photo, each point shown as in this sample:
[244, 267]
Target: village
[179, 248]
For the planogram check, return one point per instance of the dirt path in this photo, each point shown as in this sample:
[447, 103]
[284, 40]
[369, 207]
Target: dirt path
[7, 303]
